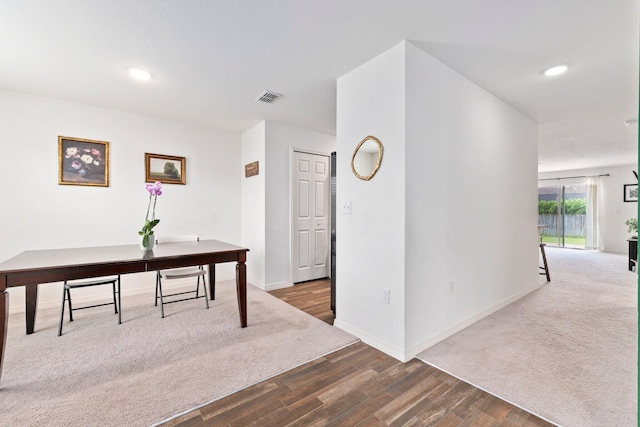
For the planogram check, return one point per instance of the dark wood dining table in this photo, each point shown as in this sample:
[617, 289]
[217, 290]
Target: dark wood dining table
[31, 268]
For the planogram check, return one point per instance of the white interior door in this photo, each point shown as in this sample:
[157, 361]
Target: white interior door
[311, 198]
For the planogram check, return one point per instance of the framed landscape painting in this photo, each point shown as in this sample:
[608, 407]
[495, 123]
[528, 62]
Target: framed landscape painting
[166, 169]
[83, 162]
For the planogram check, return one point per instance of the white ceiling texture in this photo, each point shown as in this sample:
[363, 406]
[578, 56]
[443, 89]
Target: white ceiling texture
[210, 59]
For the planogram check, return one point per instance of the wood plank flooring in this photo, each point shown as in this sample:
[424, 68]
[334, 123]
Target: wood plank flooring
[356, 386]
[311, 297]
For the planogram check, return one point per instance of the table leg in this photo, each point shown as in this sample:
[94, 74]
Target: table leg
[241, 287]
[212, 282]
[4, 317]
[31, 295]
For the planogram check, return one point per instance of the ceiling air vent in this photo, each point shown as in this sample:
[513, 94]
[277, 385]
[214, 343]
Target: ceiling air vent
[268, 97]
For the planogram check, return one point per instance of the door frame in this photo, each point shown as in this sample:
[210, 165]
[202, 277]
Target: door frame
[293, 150]
[561, 215]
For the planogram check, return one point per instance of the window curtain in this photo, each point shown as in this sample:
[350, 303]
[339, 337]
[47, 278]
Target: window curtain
[593, 228]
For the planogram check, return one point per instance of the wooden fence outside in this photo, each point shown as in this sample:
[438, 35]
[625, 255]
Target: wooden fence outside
[574, 225]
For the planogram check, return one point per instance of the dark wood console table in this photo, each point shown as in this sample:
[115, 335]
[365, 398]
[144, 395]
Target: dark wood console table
[633, 252]
[31, 268]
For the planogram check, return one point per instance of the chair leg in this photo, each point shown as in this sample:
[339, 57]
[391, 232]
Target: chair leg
[70, 308]
[204, 285]
[64, 293]
[119, 303]
[66, 299]
[161, 300]
[157, 280]
[115, 305]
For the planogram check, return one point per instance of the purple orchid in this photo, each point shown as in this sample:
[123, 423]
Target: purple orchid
[154, 190]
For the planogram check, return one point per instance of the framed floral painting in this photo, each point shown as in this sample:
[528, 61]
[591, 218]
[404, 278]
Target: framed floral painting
[83, 162]
[165, 169]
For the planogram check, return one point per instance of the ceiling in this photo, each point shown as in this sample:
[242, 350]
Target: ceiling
[210, 59]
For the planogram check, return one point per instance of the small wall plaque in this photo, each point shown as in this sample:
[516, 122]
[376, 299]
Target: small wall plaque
[251, 169]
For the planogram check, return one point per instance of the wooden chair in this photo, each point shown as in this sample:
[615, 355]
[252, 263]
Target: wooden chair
[180, 273]
[114, 281]
[545, 267]
[540, 228]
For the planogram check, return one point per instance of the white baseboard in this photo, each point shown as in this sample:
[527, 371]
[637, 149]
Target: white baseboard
[442, 335]
[279, 285]
[405, 356]
[369, 340]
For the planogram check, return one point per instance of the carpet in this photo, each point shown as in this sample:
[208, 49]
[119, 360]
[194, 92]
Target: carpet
[566, 352]
[149, 369]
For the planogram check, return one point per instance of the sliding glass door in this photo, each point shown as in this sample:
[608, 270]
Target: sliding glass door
[562, 215]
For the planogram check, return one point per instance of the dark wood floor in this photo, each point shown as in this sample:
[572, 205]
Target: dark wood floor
[357, 386]
[311, 297]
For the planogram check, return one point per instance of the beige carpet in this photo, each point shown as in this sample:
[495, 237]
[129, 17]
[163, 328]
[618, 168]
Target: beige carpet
[567, 352]
[148, 369]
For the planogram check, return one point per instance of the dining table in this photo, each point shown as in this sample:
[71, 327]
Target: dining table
[34, 267]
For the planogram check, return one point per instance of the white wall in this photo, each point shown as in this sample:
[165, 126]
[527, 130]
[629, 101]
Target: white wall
[454, 200]
[266, 211]
[280, 139]
[37, 213]
[615, 210]
[370, 242]
[253, 203]
[471, 202]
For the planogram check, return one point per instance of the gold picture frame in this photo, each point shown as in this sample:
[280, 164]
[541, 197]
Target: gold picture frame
[83, 162]
[166, 169]
[366, 158]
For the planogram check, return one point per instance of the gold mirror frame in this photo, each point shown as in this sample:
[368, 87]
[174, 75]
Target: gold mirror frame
[378, 161]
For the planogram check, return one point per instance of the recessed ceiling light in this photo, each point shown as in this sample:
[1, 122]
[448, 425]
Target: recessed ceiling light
[139, 74]
[554, 71]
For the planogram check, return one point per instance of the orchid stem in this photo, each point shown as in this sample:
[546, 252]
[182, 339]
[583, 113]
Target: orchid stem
[146, 218]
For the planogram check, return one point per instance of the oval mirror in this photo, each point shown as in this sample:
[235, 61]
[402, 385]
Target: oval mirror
[367, 158]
